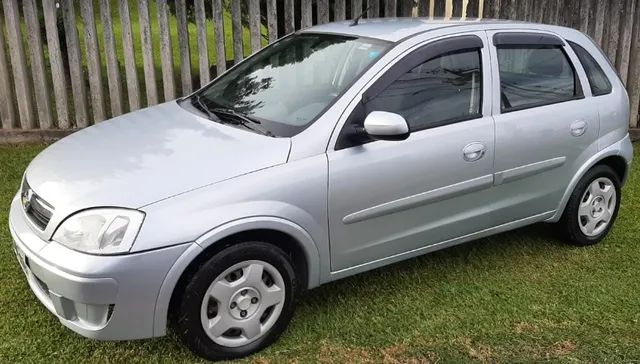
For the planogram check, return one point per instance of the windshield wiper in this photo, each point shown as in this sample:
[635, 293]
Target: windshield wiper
[200, 105]
[244, 120]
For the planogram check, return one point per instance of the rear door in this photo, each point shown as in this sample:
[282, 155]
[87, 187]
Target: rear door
[545, 127]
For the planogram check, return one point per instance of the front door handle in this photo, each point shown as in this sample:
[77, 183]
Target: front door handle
[474, 151]
[578, 128]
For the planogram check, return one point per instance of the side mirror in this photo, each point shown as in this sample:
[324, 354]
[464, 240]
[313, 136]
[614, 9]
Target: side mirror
[382, 125]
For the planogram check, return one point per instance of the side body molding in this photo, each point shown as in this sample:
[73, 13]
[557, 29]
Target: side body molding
[420, 199]
[307, 244]
[517, 173]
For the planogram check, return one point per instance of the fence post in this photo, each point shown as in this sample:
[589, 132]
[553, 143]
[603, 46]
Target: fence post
[615, 16]
[512, 6]
[254, 25]
[456, 8]
[272, 20]
[7, 112]
[147, 53]
[374, 8]
[166, 49]
[340, 10]
[305, 14]
[473, 9]
[34, 40]
[624, 47]
[289, 25]
[633, 84]
[487, 9]
[406, 7]
[591, 16]
[93, 61]
[75, 67]
[323, 11]
[599, 21]
[236, 27]
[583, 13]
[113, 68]
[538, 11]
[390, 8]
[19, 64]
[133, 88]
[203, 50]
[218, 24]
[423, 8]
[439, 8]
[185, 50]
[356, 8]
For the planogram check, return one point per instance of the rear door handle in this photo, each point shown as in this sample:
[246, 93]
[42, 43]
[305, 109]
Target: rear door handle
[474, 151]
[578, 128]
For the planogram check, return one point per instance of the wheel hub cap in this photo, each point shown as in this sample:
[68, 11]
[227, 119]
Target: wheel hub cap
[597, 206]
[244, 303]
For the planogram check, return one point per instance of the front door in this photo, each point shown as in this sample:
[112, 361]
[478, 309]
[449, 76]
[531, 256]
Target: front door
[387, 198]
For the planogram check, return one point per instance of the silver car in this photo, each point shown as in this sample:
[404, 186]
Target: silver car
[334, 151]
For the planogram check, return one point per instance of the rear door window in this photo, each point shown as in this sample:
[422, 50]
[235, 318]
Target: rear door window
[535, 75]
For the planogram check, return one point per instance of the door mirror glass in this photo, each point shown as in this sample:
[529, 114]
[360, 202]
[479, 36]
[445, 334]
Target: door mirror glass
[382, 125]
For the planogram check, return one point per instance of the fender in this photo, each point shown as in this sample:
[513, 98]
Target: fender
[307, 244]
[622, 148]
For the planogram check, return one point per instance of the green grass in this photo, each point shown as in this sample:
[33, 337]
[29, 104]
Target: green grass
[519, 296]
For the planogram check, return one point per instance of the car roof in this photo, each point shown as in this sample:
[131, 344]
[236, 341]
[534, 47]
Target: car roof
[396, 29]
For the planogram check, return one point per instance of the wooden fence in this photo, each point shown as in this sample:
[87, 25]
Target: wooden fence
[68, 64]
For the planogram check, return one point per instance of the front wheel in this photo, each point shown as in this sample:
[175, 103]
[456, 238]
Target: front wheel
[592, 207]
[238, 302]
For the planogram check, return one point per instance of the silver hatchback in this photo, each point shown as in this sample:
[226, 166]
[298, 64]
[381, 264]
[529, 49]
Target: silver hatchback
[336, 150]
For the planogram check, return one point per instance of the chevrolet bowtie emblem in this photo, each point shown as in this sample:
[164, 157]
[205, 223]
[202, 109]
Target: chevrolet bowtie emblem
[26, 199]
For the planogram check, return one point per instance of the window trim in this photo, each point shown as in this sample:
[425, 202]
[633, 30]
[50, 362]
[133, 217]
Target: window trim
[421, 55]
[579, 92]
[526, 38]
[573, 46]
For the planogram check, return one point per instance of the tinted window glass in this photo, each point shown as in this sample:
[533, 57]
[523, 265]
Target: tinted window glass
[287, 85]
[598, 81]
[442, 90]
[534, 75]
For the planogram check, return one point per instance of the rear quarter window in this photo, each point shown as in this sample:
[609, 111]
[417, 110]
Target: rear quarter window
[598, 81]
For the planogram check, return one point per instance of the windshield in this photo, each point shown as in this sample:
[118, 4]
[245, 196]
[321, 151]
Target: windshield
[287, 85]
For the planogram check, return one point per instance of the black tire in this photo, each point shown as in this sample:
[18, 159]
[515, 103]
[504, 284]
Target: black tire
[568, 224]
[187, 322]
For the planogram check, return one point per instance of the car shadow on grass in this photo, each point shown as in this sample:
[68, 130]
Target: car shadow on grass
[534, 239]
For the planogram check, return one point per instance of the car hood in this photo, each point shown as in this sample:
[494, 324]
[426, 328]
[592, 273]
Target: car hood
[145, 156]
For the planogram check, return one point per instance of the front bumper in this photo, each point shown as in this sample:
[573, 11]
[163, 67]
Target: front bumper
[101, 297]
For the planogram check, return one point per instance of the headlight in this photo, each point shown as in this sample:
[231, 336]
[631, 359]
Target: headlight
[100, 231]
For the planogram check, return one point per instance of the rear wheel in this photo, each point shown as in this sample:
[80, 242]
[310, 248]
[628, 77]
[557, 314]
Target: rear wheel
[592, 207]
[238, 302]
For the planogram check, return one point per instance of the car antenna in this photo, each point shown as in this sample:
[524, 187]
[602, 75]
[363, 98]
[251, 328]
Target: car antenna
[357, 19]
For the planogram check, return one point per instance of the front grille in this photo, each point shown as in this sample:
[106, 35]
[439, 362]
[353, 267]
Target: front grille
[37, 209]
